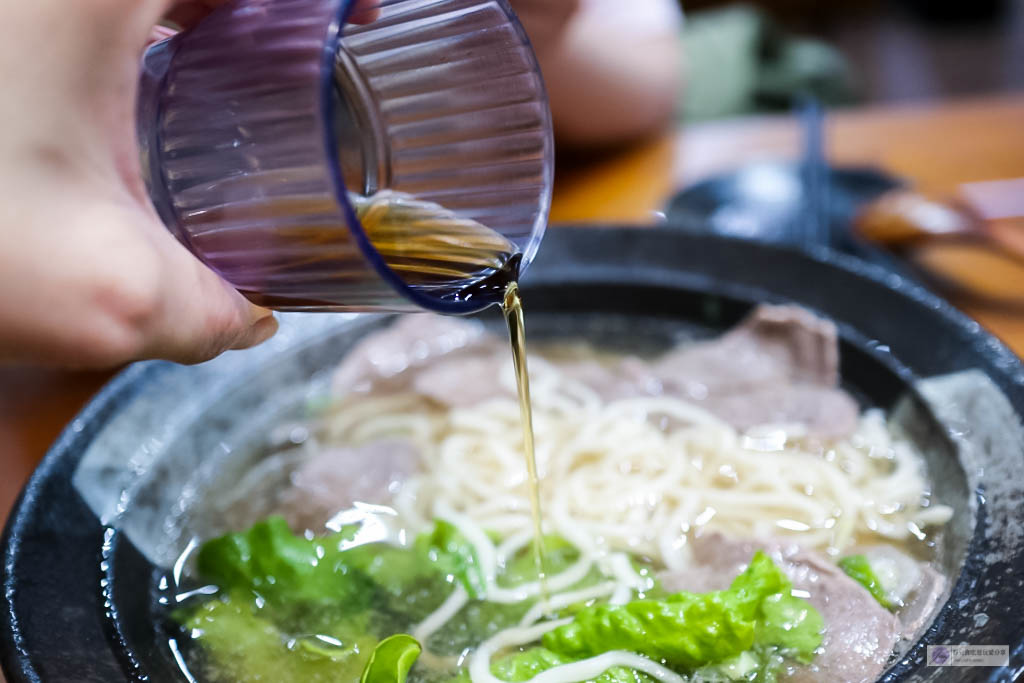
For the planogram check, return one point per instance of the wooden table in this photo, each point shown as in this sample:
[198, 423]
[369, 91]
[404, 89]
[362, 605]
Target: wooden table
[937, 146]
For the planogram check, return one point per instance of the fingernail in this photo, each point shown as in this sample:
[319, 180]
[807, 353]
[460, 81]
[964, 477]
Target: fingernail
[258, 333]
[258, 313]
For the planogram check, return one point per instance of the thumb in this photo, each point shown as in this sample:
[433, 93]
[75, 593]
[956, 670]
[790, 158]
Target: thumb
[200, 315]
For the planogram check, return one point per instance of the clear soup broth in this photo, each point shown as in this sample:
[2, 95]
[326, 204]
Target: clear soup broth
[719, 510]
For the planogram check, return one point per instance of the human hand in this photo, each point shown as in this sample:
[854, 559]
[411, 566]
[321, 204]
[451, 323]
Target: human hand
[88, 274]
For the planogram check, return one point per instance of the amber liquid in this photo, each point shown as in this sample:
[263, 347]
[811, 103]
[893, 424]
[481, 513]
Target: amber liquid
[432, 250]
[512, 306]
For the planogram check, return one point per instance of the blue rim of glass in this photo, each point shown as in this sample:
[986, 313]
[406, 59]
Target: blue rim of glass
[461, 306]
[541, 224]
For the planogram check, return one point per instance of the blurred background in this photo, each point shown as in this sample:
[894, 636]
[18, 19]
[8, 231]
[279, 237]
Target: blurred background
[755, 56]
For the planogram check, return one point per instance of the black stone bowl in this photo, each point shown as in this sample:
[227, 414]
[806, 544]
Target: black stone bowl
[105, 513]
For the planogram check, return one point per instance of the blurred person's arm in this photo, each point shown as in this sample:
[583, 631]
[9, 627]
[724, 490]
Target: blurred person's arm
[612, 68]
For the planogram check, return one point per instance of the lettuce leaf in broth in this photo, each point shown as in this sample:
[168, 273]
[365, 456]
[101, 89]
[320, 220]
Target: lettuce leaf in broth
[522, 666]
[269, 560]
[859, 569]
[241, 646]
[688, 630]
[391, 660]
[791, 624]
[288, 570]
[454, 555]
[275, 585]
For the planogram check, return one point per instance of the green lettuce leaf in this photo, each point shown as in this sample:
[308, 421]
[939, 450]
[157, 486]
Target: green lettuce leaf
[758, 665]
[290, 570]
[404, 582]
[316, 586]
[791, 624]
[688, 630]
[684, 633]
[454, 555]
[859, 569]
[268, 559]
[391, 660]
[522, 666]
[243, 647]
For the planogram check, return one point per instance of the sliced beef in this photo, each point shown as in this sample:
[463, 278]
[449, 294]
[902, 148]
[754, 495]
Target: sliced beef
[920, 604]
[339, 477]
[464, 380]
[773, 344]
[860, 634]
[381, 359]
[800, 345]
[826, 411]
[626, 377]
[779, 365]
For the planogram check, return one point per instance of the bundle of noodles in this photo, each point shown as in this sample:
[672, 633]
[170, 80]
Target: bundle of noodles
[748, 435]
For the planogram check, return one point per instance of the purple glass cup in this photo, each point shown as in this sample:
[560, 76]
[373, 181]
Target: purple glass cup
[261, 128]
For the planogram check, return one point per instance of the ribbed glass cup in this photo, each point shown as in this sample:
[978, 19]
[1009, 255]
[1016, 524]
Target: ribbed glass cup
[263, 129]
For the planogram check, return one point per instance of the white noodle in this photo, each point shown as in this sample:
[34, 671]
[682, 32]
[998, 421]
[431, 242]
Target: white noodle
[583, 670]
[622, 569]
[439, 617]
[616, 473]
[628, 477]
[561, 600]
[489, 557]
[480, 660]
[587, 669]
